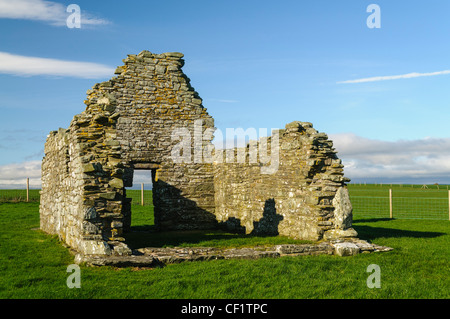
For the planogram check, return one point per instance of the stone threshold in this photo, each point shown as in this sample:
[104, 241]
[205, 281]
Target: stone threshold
[152, 257]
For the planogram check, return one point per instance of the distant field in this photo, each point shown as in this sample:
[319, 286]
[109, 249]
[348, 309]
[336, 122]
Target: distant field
[135, 195]
[371, 200]
[19, 195]
[408, 201]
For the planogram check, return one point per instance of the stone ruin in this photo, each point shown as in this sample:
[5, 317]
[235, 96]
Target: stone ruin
[129, 124]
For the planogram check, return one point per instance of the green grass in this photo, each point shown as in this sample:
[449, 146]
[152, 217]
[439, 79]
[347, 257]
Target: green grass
[19, 195]
[33, 265]
[135, 195]
[408, 201]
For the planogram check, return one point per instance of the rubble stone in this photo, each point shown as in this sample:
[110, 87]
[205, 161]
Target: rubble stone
[160, 257]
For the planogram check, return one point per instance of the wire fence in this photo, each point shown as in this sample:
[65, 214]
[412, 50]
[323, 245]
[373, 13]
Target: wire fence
[400, 202]
[19, 195]
[374, 200]
[139, 197]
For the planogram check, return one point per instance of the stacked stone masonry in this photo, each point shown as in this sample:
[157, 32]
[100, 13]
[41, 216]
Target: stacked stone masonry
[129, 124]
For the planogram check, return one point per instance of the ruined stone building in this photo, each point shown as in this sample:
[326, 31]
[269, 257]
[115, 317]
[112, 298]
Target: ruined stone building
[130, 123]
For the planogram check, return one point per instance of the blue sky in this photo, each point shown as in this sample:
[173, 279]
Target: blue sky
[257, 64]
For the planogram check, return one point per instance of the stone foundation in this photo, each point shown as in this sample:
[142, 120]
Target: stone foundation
[159, 257]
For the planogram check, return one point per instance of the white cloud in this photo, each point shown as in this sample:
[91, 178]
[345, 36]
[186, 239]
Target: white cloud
[426, 158]
[142, 176]
[15, 175]
[28, 66]
[51, 12]
[395, 77]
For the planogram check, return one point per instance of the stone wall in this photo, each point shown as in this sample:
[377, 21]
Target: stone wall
[298, 199]
[61, 197]
[153, 98]
[129, 124]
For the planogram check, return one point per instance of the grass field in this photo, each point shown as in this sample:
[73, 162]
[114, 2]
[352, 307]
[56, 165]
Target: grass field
[408, 201]
[33, 265]
[18, 195]
[371, 200]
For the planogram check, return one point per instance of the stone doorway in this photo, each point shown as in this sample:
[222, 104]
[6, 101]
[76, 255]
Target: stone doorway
[138, 199]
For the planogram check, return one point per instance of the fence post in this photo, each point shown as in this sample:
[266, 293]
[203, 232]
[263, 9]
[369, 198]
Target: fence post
[142, 194]
[449, 205]
[390, 203]
[28, 189]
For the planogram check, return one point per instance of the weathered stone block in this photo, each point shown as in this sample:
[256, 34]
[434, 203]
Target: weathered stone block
[88, 168]
[346, 249]
[340, 233]
[108, 195]
[94, 247]
[90, 213]
[116, 183]
[343, 211]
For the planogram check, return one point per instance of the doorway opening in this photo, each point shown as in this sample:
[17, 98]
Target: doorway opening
[139, 198]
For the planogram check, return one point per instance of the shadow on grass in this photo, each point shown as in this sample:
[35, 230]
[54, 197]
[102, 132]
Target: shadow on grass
[146, 236]
[370, 233]
[371, 220]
